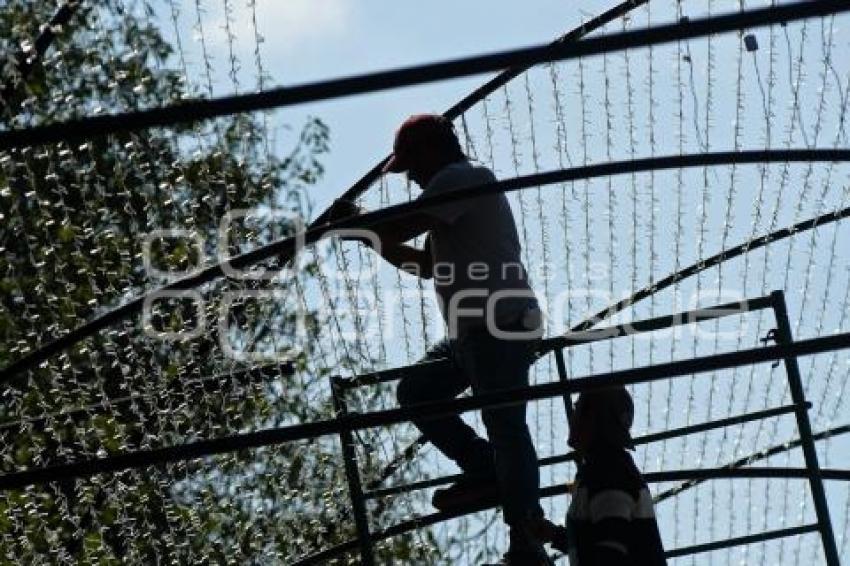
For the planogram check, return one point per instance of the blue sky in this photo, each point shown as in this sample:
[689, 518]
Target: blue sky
[687, 217]
[309, 40]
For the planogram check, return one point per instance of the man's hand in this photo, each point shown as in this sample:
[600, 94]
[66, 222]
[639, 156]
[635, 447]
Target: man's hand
[341, 209]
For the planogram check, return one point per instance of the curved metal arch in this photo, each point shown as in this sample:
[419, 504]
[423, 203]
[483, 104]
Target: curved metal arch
[709, 262]
[467, 102]
[755, 457]
[288, 247]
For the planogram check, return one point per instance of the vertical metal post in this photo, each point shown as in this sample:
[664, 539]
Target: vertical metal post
[352, 474]
[562, 375]
[795, 382]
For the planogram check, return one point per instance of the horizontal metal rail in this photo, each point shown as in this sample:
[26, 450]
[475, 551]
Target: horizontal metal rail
[570, 456]
[741, 541]
[560, 489]
[355, 421]
[758, 456]
[727, 472]
[429, 367]
[577, 338]
[196, 110]
[287, 247]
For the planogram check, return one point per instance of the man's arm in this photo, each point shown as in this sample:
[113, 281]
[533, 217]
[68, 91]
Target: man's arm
[403, 229]
[611, 513]
[407, 258]
[391, 236]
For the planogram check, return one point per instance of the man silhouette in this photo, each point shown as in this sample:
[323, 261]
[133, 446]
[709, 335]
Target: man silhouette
[472, 253]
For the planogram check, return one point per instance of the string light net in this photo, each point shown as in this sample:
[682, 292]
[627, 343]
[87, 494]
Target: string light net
[88, 226]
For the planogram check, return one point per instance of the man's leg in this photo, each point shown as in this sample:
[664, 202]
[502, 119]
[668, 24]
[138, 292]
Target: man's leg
[450, 435]
[494, 364]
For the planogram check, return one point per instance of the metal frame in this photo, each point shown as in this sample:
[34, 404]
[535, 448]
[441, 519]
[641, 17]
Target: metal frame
[375, 493]
[357, 421]
[799, 407]
[286, 248]
[346, 422]
[352, 475]
[201, 109]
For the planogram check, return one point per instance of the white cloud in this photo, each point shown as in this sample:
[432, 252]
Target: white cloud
[290, 23]
[294, 33]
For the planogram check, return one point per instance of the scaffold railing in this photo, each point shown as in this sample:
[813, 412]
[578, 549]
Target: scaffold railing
[555, 346]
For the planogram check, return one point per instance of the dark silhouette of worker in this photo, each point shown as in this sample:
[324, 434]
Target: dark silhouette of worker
[611, 520]
[472, 253]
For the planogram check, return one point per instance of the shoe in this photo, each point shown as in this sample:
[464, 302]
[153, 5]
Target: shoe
[527, 540]
[547, 532]
[469, 492]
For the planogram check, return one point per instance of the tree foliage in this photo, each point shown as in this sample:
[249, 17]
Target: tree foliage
[73, 221]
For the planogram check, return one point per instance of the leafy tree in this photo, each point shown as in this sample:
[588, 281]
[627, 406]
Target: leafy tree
[72, 224]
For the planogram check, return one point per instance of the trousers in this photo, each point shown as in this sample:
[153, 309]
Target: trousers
[484, 363]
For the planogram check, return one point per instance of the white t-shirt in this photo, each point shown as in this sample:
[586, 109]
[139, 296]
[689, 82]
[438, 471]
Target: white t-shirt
[476, 253]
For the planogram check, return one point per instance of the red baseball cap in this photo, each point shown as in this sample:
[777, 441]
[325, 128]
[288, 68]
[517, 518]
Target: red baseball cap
[418, 131]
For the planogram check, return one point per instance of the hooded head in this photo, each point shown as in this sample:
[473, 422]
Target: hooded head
[602, 418]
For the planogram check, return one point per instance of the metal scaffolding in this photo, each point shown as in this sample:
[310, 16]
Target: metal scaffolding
[345, 423]
[556, 346]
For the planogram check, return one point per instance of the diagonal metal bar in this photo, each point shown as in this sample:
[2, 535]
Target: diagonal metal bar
[75, 130]
[810, 454]
[741, 541]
